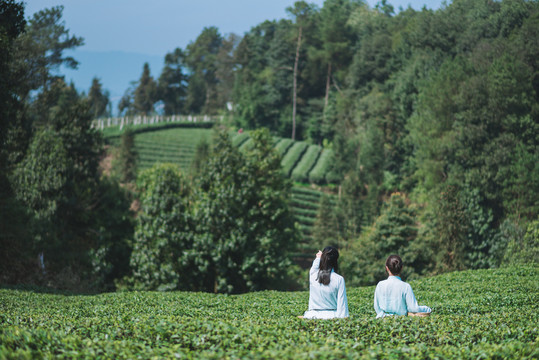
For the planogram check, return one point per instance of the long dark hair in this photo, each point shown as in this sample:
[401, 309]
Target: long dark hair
[328, 261]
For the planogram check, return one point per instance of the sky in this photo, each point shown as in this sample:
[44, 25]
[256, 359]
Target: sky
[121, 35]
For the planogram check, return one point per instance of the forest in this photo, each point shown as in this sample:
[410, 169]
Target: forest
[431, 116]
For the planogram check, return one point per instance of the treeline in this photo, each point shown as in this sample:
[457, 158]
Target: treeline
[69, 221]
[439, 106]
[432, 117]
[61, 223]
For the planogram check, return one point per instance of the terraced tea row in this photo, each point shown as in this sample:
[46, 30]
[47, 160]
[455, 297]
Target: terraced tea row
[301, 161]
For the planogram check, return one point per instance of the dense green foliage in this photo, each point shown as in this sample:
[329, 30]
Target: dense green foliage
[162, 235]
[98, 99]
[393, 232]
[243, 228]
[476, 314]
[232, 234]
[441, 106]
[438, 106]
[124, 164]
[67, 226]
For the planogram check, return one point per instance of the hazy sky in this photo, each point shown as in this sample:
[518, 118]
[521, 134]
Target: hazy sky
[159, 26]
[121, 35]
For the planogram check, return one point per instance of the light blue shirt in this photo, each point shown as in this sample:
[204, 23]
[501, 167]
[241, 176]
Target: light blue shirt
[395, 297]
[331, 297]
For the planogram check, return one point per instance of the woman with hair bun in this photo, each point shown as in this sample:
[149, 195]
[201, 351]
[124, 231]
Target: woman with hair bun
[395, 297]
[327, 292]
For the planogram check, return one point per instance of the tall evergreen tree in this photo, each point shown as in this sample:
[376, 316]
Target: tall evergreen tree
[172, 83]
[98, 99]
[145, 94]
[201, 56]
[40, 51]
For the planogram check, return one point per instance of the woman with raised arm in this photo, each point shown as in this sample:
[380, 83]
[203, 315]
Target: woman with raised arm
[327, 292]
[394, 296]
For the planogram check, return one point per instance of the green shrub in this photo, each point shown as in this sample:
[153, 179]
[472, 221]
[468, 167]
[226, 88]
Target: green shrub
[238, 139]
[392, 233]
[308, 160]
[476, 314]
[283, 146]
[522, 250]
[158, 259]
[320, 169]
[291, 158]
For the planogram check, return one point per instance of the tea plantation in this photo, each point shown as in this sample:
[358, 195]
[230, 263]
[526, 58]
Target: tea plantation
[479, 314]
[172, 143]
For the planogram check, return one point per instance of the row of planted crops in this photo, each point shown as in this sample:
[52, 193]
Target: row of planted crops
[479, 314]
[301, 161]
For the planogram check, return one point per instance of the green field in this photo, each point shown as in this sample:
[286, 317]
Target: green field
[165, 143]
[479, 314]
[176, 145]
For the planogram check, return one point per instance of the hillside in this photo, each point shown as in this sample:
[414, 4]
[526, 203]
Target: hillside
[304, 163]
[176, 143]
[476, 314]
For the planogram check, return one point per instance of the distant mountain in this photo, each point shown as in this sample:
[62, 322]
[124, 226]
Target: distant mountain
[115, 69]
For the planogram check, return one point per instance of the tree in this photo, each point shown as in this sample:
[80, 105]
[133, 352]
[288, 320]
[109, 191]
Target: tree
[113, 224]
[393, 232]
[301, 11]
[15, 238]
[249, 92]
[226, 70]
[11, 26]
[125, 161]
[145, 94]
[244, 229]
[39, 50]
[201, 58]
[125, 105]
[202, 152]
[98, 99]
[58, 181]
[162, 233]
[172, 83]
[326, 227]
[450, 228]
[337, 38]
[40, 185]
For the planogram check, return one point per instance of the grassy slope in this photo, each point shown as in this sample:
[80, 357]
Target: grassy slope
[171, 145]
[476, 314]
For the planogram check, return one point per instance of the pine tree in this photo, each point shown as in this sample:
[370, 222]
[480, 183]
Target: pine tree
[145, 94]
[98, 99]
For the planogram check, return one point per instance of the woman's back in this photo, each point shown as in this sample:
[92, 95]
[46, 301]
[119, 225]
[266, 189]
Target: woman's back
[326, 300]
[324, 296]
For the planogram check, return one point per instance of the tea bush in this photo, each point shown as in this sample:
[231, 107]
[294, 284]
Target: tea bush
[476, 314]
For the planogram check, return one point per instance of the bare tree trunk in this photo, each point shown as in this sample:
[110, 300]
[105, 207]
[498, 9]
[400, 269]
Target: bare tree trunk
[328, 83]
[295, 86]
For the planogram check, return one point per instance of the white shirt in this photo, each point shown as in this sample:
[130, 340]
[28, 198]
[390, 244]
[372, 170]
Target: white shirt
[395, 297]
[326, 301]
